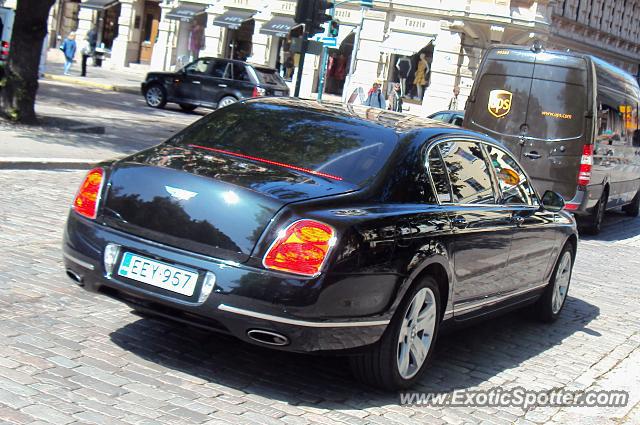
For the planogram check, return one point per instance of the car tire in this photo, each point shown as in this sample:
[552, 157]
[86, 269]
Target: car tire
[633, 209]
[226, 101]
[394, 362]
[594, 225]
[156, 96]
[188, 107]
[548, 307]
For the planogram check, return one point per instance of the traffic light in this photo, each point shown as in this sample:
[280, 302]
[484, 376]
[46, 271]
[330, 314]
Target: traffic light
[334, 28]
[312, 13]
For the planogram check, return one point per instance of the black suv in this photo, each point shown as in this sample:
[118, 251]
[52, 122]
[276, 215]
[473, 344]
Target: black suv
[212, 83]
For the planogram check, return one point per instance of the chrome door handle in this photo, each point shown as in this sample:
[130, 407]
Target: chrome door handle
[533, 155]
[222, 85]
[196, 82]
[459, 222]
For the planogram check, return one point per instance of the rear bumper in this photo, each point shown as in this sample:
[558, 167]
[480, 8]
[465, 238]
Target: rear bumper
[233, 306]
[584, 200]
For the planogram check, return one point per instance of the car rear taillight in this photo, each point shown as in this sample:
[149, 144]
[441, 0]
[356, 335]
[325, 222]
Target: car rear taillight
[586, 162]
[4, 49]
[259, 91]
[88, 197]
[301, 248]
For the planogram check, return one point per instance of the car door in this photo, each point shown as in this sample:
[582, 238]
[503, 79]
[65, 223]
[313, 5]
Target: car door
[216, 83]
[188, 84]
[533, 228]
[481, 229]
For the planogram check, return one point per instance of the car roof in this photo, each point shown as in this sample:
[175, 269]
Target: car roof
[257, 66]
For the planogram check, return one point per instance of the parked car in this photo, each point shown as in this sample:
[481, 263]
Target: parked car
[314, 227]
[572, 121]
[6, 28]
[451, 117]
[212, 83]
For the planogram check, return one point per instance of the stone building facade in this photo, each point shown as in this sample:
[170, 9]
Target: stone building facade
[451, 34]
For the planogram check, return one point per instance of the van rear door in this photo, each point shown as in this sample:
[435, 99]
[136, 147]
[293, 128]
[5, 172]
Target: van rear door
[543, 124]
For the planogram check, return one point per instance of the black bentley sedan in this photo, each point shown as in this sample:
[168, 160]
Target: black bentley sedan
[211, 83]
[323, 228]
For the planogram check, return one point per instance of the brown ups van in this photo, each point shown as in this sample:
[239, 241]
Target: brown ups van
[572, 119]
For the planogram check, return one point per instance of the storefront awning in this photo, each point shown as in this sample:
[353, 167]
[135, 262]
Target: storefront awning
[185, 12]
[278, 26]
[232, 19]
[403, 43]
[98, 4]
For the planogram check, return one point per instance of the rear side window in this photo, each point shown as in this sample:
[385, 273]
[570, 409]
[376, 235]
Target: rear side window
[240, 73]
[275, 134]
[439, 176]
[221, 69]
[468, 173]
[514, 185]
[269, 76]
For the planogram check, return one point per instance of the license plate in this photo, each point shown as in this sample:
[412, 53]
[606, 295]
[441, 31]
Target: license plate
[158, 274]
[278, 93]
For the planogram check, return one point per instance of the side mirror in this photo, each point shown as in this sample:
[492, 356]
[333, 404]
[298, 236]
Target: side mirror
[552, 201]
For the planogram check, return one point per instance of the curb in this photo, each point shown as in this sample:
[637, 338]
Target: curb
[46, 164]
[92, 84]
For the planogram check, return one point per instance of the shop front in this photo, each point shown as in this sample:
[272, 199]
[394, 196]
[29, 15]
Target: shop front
[189, 21]
[100, 19]
[239, 27]
[281, 56]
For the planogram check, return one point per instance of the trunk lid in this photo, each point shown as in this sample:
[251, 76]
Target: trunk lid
[205, 202]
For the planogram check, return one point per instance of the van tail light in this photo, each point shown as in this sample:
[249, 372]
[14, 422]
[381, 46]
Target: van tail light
[259, 91]
[4, 49]
[301, 248]
[88, 197]
[586, 162]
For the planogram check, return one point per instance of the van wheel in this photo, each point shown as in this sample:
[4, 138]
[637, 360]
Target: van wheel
[595, 221]
[633, 209]
[550, 304]
[399, 359]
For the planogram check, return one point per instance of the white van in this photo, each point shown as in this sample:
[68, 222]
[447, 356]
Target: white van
[6, 28]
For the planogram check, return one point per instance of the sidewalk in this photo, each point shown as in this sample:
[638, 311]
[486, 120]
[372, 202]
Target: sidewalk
[121, 80]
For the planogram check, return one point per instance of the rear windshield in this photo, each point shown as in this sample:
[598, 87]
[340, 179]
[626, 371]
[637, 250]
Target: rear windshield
[329, 146]
[269, 76]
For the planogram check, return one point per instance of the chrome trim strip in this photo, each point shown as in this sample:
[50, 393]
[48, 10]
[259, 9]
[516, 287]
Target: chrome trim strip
[296, 322]
[497, 299]
[78, 261]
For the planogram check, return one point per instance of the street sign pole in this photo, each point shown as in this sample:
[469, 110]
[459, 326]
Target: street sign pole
[356, 46]
[305, 43]
[324, 58]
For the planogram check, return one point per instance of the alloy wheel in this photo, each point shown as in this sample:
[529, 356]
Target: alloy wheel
[227, 101]
[561, 282]
[154, 96]
[416, 333]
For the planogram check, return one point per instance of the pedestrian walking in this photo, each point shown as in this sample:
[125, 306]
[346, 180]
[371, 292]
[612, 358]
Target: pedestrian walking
[375, 98]
[453, 103]
[68, 47]
[395, 98]
[86, 51]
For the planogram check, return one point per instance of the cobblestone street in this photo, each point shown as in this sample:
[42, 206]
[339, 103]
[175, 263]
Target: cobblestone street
[68, 356]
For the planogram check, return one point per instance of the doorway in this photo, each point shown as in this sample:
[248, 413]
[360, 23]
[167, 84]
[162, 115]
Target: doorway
[150, 24]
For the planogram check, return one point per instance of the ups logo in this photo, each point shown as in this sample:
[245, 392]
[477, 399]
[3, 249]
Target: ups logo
[499, 103]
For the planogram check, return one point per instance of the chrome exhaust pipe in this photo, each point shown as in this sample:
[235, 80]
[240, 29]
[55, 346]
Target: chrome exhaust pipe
[268, 337]
[75, 277]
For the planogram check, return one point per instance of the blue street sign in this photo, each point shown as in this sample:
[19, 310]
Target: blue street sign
[329, 41]
[366, 3]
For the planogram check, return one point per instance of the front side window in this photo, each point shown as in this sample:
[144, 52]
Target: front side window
[514, 185]
[198, 67]
[468, 173]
